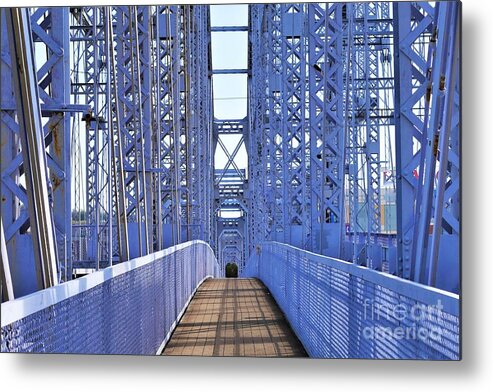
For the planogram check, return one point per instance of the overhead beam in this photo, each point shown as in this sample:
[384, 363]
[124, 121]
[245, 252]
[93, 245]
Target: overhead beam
[232, 71]
[227, 29]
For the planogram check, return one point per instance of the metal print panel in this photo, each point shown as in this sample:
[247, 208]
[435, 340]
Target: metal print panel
[263, 180]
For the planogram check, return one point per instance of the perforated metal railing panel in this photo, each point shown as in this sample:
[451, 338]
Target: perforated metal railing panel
[130, 308]
[341, 310]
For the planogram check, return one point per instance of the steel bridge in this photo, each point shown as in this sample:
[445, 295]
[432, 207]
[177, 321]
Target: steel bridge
[117, 223]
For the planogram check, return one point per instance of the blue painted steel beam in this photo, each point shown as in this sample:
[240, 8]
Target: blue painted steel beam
[216, 29]
[229, 71]
[25, 87]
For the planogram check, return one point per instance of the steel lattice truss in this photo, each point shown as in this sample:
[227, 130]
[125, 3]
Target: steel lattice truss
[136, 82]
[352, 135]
[299, 122]
[427, 135]
[343, 96]
[369, 31]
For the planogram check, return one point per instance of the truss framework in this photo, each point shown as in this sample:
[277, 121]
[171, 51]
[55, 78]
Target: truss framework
[343, 97]
[349, 106]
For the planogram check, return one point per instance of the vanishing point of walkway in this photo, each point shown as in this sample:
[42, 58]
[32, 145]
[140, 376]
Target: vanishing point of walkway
[234, 317]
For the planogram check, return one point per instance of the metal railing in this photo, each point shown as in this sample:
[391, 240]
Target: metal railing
[130, 308]
[342, 310]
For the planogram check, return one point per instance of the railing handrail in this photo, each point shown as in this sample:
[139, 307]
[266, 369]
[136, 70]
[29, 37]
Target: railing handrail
[339, 309]
[410, 289]
[24, 306]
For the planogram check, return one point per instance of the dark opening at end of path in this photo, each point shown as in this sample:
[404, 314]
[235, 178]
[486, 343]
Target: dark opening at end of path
[231, 270]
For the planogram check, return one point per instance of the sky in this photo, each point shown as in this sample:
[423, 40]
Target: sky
[230, 51]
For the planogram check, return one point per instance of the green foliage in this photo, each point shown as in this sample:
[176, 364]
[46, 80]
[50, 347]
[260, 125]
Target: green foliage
[231, 270]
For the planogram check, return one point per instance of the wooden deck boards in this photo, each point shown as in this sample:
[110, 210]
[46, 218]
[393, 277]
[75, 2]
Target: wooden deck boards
[234, 317]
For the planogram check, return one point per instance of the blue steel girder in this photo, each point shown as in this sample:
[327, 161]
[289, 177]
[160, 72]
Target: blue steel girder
[168, 46]
[185, 117]
[99, 212]
[116, 139]
[50, 36]
[275, 201]
[197, 120]
[436, 141]
[260, 144]
[446, 211]
[326, 123]
[369, 32]
[133, 74]
[293, 123]
[230, 126]
[33, 258]
[427, 134]
[410, 70]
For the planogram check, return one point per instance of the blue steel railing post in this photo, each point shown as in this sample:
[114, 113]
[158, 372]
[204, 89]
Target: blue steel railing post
[51, 28]
[285, 130]
[139, 45]
[207, 110]
[356, 183]
[198, 125]
[200, 128]
[195, 85]
[209, 119]
[372, 142]
[155, 124]
[109, 155]
[185, 107]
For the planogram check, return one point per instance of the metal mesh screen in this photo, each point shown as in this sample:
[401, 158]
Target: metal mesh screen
[129, 312]
[341, 310]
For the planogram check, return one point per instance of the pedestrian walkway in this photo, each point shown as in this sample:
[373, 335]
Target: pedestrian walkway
[234, 317]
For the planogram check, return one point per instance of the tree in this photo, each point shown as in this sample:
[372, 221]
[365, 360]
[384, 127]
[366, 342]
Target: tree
[231, 270]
